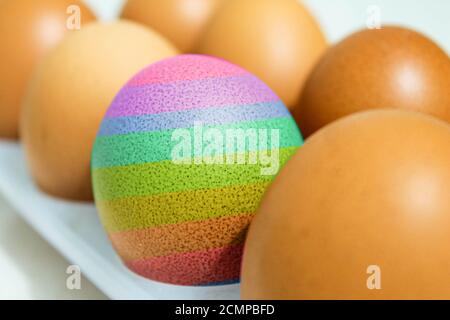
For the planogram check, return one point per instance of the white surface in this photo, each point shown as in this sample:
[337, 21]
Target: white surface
[29, 267]
[341, 17]
[106, 9]
[75, 231]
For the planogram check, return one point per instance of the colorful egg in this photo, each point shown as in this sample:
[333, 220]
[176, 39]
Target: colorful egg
[181, 162]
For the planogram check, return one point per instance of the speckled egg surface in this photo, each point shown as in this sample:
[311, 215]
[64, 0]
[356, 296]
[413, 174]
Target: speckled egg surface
[181, 162]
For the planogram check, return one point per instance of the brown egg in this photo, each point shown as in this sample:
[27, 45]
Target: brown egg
[28, 29]
[388, 68]
[69, 95]
[181, 21]
[363, 204]
[278, 40]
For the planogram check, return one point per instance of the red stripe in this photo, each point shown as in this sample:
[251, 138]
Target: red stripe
[194, 268]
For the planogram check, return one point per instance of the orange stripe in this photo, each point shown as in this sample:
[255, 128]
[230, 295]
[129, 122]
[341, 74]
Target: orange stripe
[181, 238]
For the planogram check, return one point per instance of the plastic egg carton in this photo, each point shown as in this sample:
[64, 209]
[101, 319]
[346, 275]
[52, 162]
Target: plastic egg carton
[75, 231]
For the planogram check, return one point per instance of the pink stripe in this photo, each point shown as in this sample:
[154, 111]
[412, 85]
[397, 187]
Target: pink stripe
[195, 268]
[194, 94]
[185, 67]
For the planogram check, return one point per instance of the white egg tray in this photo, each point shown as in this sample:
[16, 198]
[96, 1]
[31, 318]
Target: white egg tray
[75, 231]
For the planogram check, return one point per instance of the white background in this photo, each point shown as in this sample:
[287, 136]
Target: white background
[340, 17]
[31, 269]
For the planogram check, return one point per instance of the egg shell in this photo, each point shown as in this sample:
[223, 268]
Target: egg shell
[277, 40]
[181, 21]
[28, 30]
[392, 67]
[360, 212]
[69, 94]
[183, 223]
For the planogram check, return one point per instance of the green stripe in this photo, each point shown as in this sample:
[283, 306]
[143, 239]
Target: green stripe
[164, 177]
[156, 146]
[179, 207]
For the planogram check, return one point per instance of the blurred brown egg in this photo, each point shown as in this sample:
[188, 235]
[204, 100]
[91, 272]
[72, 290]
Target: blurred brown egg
[181, 21]
[28, 29]
[387, 68]
[360, 212]
[278, 40]
[69, 95]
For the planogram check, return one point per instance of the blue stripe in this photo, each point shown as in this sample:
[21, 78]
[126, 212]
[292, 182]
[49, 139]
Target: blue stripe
[185, 119]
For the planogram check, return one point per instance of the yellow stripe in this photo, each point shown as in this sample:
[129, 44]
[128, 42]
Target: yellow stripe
[172, 208]
[167, 177]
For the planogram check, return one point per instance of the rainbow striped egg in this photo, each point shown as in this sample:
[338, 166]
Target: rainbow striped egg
[181, 162]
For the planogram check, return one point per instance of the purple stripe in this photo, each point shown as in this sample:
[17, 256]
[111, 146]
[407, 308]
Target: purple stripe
[185, 95]
[187, 118]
